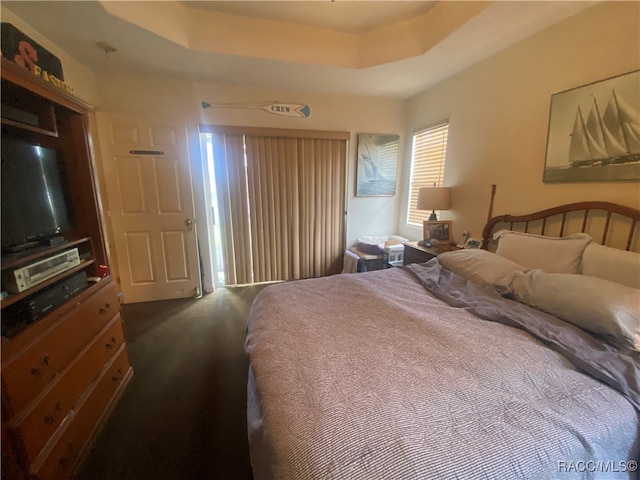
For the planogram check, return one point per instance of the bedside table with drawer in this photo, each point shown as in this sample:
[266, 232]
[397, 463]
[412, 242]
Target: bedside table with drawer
[414, 253]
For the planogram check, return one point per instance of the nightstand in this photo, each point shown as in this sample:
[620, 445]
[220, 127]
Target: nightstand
[368, 261]
[414, 253]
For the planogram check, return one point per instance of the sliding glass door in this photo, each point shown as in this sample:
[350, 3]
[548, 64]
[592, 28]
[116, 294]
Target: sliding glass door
[281, 200]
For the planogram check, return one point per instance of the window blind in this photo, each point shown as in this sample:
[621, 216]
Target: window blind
[282, 204]
[428, 153]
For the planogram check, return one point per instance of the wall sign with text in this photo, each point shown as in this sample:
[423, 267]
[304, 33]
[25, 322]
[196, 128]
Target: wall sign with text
[30, 55]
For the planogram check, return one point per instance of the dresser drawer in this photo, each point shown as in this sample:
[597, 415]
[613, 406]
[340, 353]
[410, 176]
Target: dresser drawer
[58, 462]
[413, 256]
[28, 372]
[38, 424]
[414, 253]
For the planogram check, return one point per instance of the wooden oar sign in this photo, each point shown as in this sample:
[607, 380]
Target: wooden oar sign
[277, 108]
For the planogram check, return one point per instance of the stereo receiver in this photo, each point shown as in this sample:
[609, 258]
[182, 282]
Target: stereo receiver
[20, 279]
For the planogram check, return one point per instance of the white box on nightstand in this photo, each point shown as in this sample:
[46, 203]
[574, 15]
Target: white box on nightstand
[394, 254]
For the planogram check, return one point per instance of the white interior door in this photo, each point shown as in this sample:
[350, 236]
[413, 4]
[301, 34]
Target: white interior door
[147, 175]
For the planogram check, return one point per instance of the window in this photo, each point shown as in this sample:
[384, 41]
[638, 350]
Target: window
[428, 154]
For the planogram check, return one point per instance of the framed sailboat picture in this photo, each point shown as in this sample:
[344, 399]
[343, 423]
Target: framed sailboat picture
[594, 132]
[377, 165]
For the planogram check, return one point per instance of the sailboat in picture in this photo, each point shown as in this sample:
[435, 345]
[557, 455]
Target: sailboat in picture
[605, 139]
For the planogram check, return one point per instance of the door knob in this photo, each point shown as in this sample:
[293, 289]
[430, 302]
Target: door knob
[189, 223]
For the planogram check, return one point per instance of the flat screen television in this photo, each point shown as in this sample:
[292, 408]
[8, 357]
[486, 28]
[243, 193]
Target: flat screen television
[32, 187]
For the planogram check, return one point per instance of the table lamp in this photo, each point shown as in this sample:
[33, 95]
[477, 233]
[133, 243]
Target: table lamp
[433, 198]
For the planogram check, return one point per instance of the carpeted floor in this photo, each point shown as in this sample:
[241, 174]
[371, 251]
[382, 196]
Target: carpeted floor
[183, 416]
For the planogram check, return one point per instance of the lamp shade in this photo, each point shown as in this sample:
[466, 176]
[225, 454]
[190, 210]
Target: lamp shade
[433, 198]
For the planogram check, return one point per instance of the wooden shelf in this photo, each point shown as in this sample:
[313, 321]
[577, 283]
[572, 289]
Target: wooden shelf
[21, 111]
[31, 128]
[19, 259]
[16, 297]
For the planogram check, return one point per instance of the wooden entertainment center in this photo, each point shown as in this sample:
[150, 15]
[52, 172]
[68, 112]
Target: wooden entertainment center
[63, 372]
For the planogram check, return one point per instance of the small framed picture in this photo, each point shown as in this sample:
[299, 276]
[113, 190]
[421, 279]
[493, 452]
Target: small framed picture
[437, 230]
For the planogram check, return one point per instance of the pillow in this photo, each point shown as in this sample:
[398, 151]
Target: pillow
[605, 308]
[612, 264]
[370, 248]
[480, 266]
[550, 254]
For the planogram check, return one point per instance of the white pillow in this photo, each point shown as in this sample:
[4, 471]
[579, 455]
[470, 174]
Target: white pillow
[612, 264]
[550, 254]
[602, 307]
[480, 266]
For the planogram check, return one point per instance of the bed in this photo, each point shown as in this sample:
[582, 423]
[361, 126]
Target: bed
[462, 367]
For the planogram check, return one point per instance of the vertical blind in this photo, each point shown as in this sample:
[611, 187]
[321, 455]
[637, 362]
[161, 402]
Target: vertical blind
[428, 154]
[282, 202]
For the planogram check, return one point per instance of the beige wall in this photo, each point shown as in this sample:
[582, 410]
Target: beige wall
[499, 110]
[367, 216]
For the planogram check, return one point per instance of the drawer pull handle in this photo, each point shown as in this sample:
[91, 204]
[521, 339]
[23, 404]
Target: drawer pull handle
[52, 417]
[118, 376]
[106, 308]
[64, 461]
[37, 371]
[111, 344]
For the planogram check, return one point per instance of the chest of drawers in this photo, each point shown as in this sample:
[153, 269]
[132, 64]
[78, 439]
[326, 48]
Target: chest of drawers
[59, 379]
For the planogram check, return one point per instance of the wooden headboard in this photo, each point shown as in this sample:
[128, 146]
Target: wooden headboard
[608, 223]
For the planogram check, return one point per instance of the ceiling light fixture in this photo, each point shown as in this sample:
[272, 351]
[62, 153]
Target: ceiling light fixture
[107, 48]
